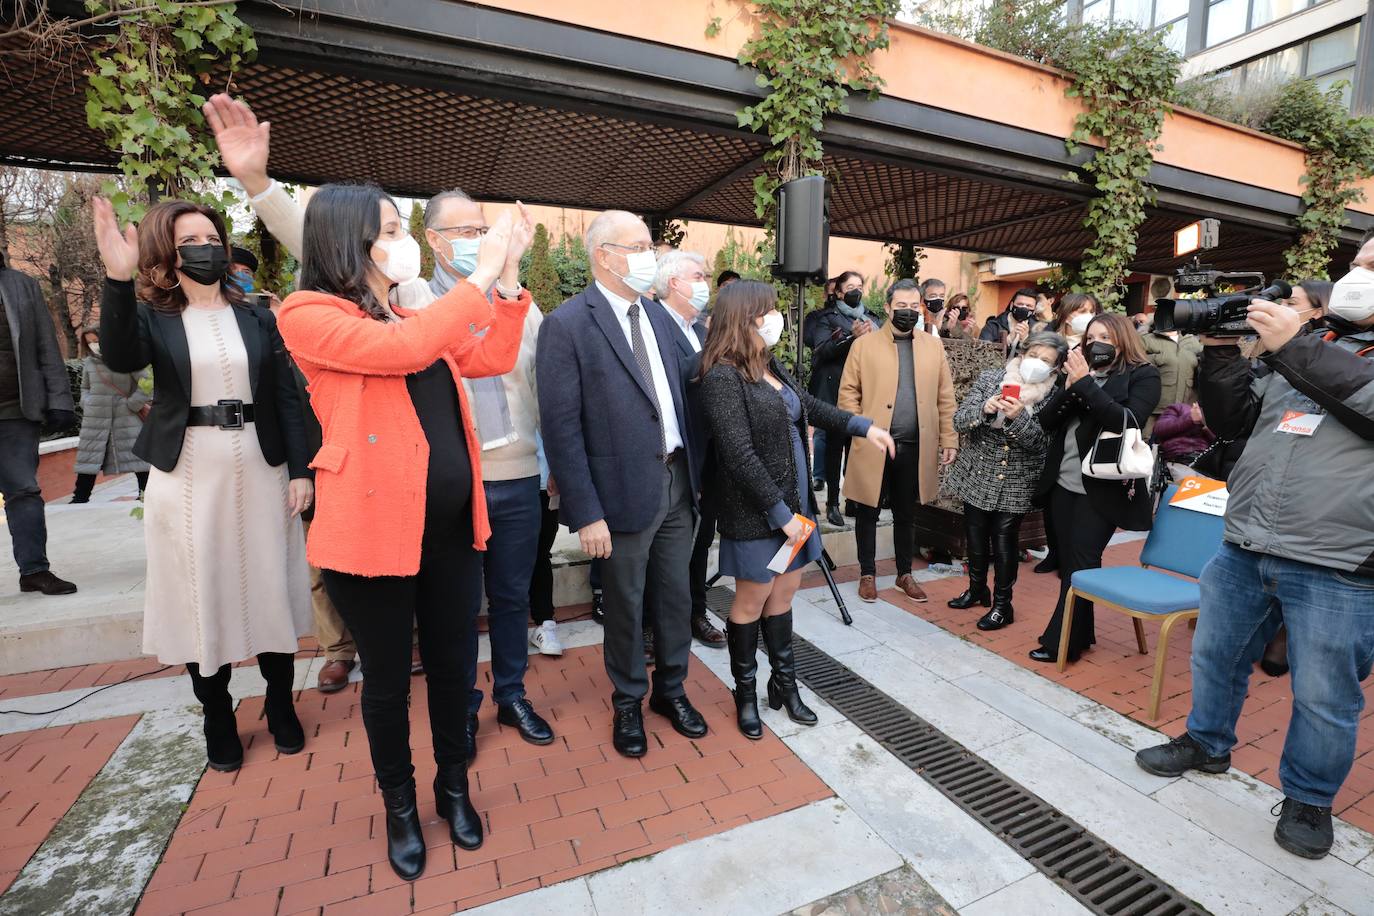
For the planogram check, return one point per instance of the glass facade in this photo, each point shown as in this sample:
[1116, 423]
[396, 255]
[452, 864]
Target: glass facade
[1227, 19]
[1326, 59]
[1170, 16]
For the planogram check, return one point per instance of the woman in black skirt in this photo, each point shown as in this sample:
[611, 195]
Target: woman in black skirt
[758, 417]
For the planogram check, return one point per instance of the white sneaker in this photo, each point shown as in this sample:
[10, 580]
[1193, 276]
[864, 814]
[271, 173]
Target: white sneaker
[545, 638]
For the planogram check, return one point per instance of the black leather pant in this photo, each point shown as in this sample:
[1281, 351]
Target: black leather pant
[995, 536]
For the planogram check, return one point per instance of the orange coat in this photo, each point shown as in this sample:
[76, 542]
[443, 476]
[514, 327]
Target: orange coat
[371, 471]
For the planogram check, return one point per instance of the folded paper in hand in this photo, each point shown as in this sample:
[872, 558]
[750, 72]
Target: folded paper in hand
[788, 552]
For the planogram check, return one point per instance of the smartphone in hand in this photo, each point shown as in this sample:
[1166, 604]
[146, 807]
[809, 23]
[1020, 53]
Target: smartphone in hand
[1011, 391]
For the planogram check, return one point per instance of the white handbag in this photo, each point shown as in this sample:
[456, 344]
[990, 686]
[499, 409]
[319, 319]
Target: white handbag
[1120, 456]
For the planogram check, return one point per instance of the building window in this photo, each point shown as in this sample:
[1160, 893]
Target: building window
[1326, 60]
[1227, 19]
[1168, 16]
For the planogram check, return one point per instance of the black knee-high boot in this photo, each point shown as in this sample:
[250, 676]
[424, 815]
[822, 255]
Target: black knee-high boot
[743, 640]
[279, 670]
[977, 530]
[1006, 561]
[782, 684]
[222, 746]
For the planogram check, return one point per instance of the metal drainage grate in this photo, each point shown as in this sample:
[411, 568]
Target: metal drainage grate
[1095, 873]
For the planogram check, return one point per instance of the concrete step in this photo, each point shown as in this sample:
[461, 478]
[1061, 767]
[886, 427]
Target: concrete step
[100, 547]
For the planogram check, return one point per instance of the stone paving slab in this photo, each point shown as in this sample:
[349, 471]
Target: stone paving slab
[897, 893]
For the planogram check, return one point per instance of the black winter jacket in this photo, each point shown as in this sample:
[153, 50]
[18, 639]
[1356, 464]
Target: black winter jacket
[828, 335]
[754, 466]
[1125, 503]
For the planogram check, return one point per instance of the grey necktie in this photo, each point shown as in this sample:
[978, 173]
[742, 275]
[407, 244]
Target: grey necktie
[642, 357]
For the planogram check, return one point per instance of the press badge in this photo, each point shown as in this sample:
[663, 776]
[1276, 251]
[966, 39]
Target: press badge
[1297, 423]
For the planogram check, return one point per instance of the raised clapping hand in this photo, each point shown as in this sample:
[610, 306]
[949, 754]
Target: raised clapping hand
[491, 256]
[883, 439]
[521, 234]
[1076, 366]
[243, 142]
[119, 251]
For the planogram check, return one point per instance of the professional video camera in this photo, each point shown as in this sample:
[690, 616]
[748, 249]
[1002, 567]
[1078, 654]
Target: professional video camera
[1221, 311]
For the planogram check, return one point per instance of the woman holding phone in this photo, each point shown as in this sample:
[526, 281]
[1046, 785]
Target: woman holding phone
[1108, 384]
[759, 416]
[999, 467]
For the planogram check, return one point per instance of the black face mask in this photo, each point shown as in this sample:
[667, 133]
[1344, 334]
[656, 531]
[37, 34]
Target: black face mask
[1100, 354]
[206, 264]
[1022, 313]
[854, 298]
[935, 306]
[905, 320]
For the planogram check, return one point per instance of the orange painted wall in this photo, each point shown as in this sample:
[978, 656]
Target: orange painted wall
[934, 69]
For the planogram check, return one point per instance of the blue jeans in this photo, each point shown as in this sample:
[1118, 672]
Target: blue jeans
[507, 566]
[1330, 620]
[818, 456]
[23, 498]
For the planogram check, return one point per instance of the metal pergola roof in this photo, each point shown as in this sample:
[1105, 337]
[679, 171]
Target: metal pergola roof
[434, 94]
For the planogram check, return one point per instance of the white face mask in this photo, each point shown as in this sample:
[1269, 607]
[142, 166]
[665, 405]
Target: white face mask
[1352, 296]
[640, 266]
[701, 294]
[771, 329]
[1035, 370]
[1079, 323]
[94, 347]
[402, 259]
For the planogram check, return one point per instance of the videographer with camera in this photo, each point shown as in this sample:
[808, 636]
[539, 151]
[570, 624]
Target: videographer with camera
[1298, 549]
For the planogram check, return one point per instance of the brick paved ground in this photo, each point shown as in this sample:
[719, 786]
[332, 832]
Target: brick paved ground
[41, 773]
[297, 834]
[1116, 675]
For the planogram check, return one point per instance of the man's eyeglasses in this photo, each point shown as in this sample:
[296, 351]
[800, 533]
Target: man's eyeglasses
[464, 232]
[633, 249]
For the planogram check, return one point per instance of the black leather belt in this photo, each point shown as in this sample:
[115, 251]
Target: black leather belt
[226, 415]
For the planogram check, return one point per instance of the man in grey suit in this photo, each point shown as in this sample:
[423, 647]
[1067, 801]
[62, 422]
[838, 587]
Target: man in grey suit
[618, 438]
[33, 390]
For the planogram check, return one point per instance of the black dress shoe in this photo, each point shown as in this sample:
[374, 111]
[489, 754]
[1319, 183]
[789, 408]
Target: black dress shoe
[521, 716]
[1041, 654]
[706, 633]
[1304, 830]
[818, 485]
[598, 607]
[627, 731]
[1047, 565]
[472, 736]
[832, 515]
[1178, 757]
[677, 710]
[971, 596]
[997, 618]
[46, 583]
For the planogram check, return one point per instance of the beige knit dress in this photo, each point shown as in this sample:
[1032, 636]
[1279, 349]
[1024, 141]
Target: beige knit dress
[227, 577]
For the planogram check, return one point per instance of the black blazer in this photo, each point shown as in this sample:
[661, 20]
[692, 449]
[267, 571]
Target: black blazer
[755, 468]
[598, 417]
[689, 365]
[1124, 503]
[133, 336]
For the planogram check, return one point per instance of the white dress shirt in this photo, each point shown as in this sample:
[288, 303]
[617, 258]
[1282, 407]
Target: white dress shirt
[688, 328]
[672, 434]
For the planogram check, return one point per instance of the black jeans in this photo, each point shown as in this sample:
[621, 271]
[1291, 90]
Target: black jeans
[443, 598]
[701, 553]
[902, 491]
[23, 498]
[1081, 535]
[541, 582]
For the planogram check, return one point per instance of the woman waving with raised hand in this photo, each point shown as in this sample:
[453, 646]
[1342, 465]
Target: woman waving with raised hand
[401, 516]
[227, 578]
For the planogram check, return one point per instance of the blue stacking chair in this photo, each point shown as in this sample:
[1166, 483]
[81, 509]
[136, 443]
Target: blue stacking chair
[1181, 541]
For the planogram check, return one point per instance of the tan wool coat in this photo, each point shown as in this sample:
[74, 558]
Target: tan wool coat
[869, 387]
